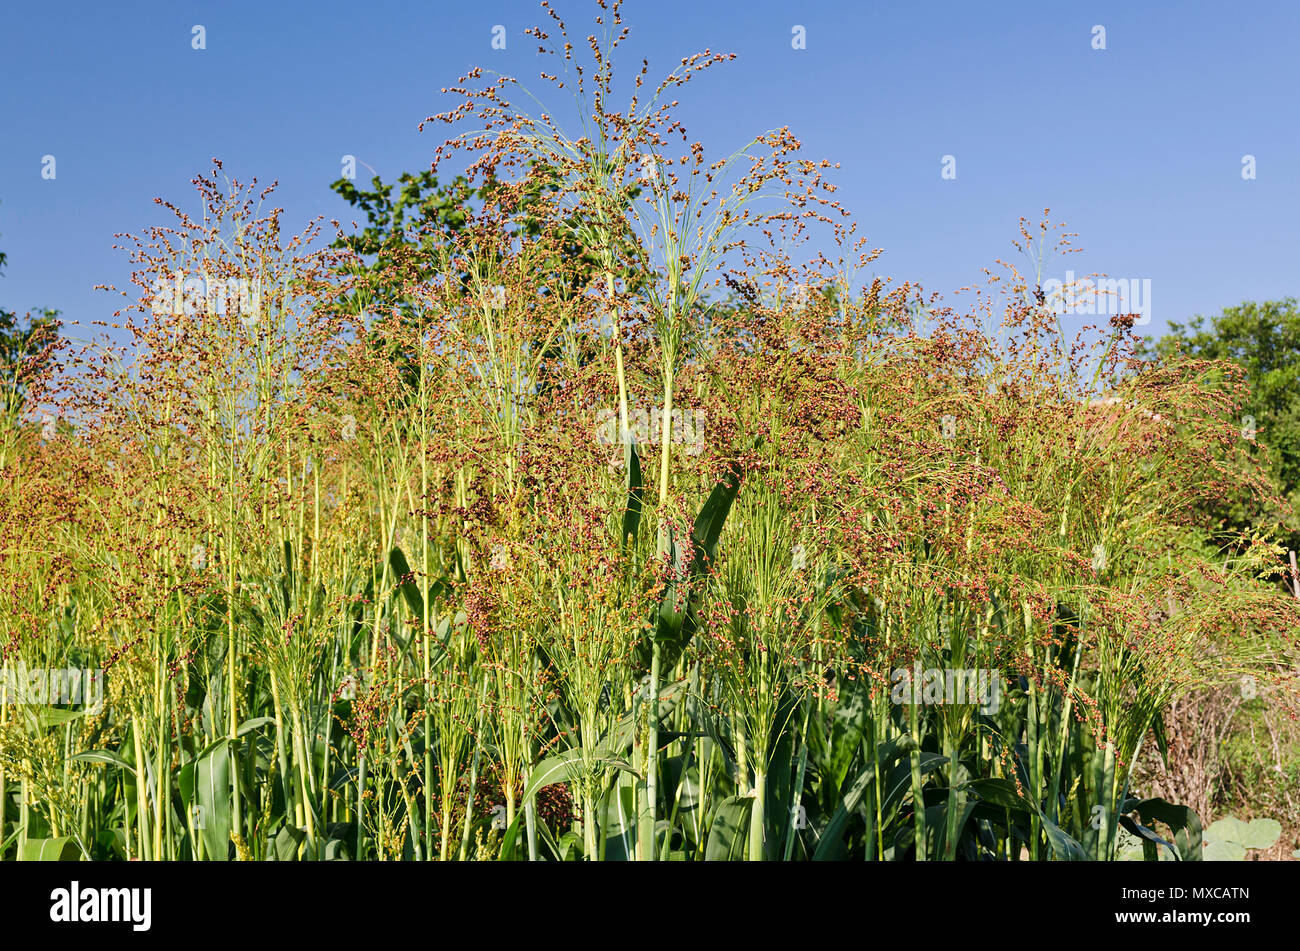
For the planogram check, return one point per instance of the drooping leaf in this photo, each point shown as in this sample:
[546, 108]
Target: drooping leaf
[106, 756]
[1181, 820]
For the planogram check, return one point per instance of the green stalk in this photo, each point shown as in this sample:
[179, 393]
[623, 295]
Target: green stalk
[1032, 741]
[951, 749]
[914, 758]
[650, 807]
[473, 770]
[424, 593]
[757, 819]
[141, 795]
[796, 794]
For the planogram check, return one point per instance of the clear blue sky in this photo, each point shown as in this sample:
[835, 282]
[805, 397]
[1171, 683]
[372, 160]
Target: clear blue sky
[1137, 147]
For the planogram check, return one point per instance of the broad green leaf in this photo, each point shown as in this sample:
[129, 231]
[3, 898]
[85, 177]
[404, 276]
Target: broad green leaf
[1227, 829]
[560, 768]
[1064, 847]
[1261, 833]
[50, 850]
[1149, 837]
[510, 840]
[729, 834]
[285, 845]
[998, 792]
[1181, 820]
[212, 791]
[675, 617]
[45, 717]
[1223, 850]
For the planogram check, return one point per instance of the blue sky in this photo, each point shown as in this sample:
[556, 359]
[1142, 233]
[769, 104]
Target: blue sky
[1138, 147]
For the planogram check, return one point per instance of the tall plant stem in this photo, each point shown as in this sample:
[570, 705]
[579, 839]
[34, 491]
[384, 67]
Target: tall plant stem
[473, 770]
[650, 810]
[649, 817]
[758, 818]
[796, 794]
[424, 600]
[232, 680]
[918, 796]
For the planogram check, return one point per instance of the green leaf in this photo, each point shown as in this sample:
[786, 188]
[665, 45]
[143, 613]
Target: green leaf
[708, 524]
[1181, 820]
[830, 842]
[635, 489]
[729, 833]
[1261, 833]
[50, 850]
[284, 847]
[1223, 850]
[1227, 829]
[249, 725]
[1256, 834]
[45, 717]
[406, 582]
[1149, 836]
[554, 769]
[674, 628]
[998, 792]
[212, 790]
[1064, 846]
[510, 840]
[106, 756]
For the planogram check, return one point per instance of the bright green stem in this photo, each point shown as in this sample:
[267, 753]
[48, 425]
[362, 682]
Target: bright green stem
[955, 805]
[918, 797]
[757, 817]
[665, 439]
[589, 844]
[649, 817]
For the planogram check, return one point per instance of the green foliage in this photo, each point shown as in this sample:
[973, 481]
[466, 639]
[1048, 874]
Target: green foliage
[20, 340]
[383, 592]
[1229, 839]
[1264, 340]
[403, 233]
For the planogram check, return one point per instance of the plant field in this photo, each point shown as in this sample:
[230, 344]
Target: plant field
[620, 518]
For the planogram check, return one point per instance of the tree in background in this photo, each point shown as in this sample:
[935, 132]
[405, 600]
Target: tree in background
[411, 231]
[26, 346]
[405, 232]
[414, 220]
[1263, 339]
[1232, 750]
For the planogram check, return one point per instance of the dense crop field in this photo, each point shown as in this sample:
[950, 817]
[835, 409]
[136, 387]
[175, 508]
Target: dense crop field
[600, 525]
